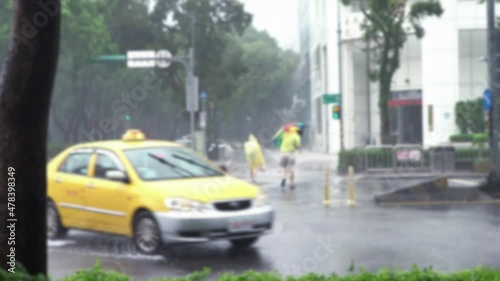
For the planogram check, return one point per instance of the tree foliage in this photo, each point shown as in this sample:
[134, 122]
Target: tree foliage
[267, 85]
[241, 69]
[384, 28]
[470, 116]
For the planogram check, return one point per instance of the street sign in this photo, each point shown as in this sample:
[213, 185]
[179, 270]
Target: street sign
[141, 59]
[192, 94]
[109, 58]
[331, 98]
[162, 57]
[487, 100]
[203, 95]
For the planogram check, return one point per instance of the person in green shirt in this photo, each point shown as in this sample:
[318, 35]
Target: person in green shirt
[290, 144]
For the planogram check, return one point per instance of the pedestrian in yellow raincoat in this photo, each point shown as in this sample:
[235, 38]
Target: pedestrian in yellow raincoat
[253, 153]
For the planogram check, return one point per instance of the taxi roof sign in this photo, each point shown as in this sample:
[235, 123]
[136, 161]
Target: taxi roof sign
[133, 135]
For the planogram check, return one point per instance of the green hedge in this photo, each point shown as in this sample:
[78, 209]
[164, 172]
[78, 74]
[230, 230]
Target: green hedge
[382, 158]
[480, 138]
[471, 153]
[96, 273]
[352, 157]
[474, 138]
[461, 138]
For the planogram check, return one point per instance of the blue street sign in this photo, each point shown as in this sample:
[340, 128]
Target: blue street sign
[203, 95]
[487, 100]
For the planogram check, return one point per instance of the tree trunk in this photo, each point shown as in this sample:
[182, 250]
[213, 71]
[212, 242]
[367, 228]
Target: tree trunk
[26, 84]
[384, 92]
[385, 128]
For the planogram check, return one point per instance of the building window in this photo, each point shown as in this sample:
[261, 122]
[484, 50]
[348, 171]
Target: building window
[317, 63]
[473, 72]
[319, 114]
[325, 54]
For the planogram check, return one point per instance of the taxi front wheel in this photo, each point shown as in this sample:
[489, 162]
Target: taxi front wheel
[147, 236]
[244, 243]
[54, 227]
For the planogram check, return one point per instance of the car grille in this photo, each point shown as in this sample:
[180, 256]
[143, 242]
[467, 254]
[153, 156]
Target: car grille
[233, 205]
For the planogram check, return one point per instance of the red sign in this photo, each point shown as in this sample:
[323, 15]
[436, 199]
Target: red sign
[404, 102]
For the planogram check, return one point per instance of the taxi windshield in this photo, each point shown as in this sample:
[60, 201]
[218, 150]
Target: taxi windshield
[163, 163]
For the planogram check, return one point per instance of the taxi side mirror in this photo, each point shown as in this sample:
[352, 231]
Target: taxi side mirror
[117, 175]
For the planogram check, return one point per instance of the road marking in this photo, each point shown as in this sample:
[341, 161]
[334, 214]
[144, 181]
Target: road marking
[463, 182]
[51, 243]
[332, 203]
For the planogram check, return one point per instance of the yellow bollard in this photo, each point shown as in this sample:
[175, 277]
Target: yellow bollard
[351, 201]
[326, 200]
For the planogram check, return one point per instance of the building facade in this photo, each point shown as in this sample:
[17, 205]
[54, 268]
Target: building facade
[303, 73]
[436, 72]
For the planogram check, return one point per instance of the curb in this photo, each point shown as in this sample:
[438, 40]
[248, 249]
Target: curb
[422, 177]
[432, 190]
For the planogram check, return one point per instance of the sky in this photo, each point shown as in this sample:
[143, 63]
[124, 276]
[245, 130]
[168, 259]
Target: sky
[278, 18]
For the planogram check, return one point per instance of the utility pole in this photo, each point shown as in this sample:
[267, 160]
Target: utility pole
[204, 120]
[492, 65]
[368, 91]
[339, 38]
[192, 80]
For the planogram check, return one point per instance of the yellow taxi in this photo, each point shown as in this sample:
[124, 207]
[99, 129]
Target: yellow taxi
[155, 192]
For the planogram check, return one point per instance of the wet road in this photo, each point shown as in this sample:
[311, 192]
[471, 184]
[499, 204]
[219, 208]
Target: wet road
[309, 237]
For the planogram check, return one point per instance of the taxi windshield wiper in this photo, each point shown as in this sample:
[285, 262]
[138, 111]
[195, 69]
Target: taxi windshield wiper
[191, 161]
[171, 165]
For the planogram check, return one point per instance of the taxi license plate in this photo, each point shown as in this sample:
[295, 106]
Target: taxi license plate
[240, 225]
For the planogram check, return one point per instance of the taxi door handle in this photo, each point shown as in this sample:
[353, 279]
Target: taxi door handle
[57, 180]
[90, 185]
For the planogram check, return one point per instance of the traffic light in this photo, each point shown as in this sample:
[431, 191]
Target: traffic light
[336, 112]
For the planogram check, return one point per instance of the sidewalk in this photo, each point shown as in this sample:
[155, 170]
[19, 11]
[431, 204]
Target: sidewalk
[317, 161]
[416, 175]
[306, 160]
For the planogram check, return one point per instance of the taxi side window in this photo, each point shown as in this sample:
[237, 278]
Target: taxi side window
[103, 164]
[76, 163]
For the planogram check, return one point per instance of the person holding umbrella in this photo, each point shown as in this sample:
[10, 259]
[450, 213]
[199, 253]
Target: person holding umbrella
[289, 141]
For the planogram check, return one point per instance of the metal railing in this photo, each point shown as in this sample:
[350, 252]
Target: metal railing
[379, 158]
[407, 158]
[401, 158]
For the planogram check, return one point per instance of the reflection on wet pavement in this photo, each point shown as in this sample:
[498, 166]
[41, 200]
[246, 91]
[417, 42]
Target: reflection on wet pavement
[309, 237]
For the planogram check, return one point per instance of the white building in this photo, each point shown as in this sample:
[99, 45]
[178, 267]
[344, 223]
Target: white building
[436, 71]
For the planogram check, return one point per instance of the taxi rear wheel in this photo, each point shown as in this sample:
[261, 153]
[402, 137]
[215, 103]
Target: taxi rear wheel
[147, 236]
[244, 243]
[54, 227]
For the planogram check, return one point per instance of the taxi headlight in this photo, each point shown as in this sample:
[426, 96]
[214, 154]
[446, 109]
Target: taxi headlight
[186, 205]
[261, 200]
